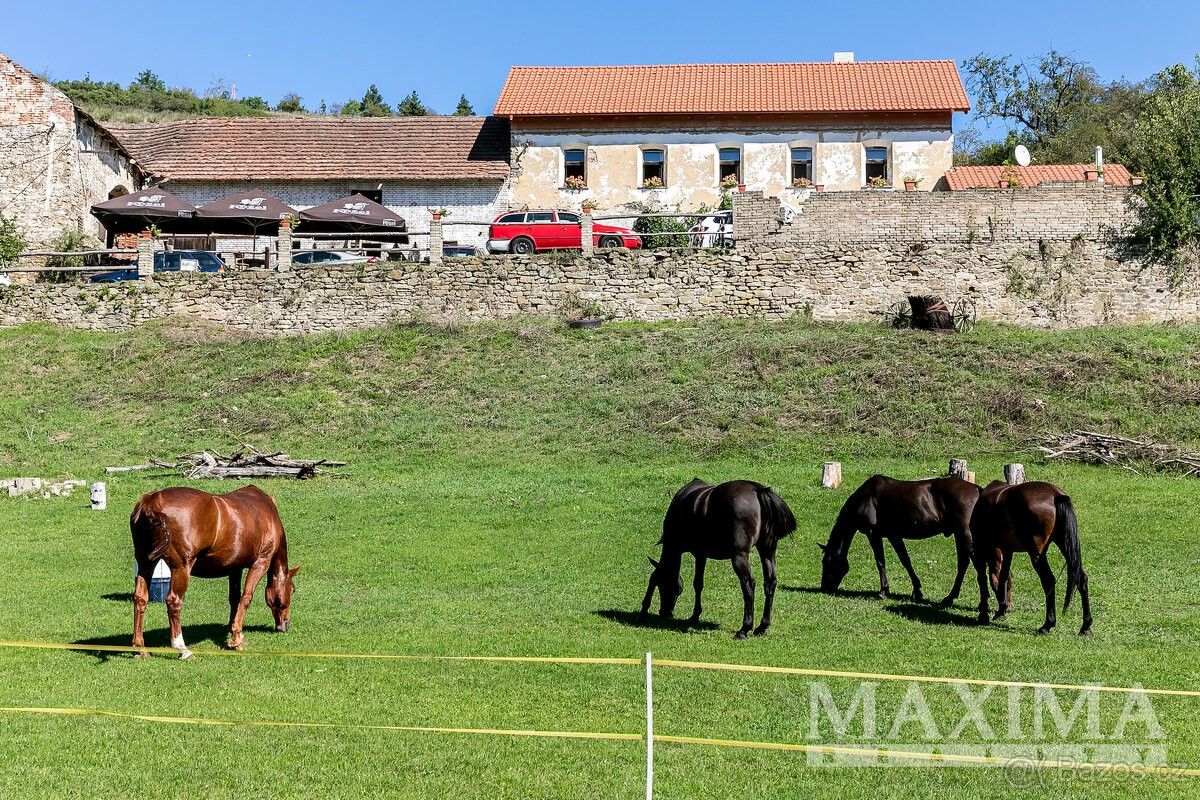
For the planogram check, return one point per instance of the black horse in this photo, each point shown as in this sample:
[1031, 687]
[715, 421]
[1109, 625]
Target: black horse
[720, 522]
[886, 508]
[1028, 517]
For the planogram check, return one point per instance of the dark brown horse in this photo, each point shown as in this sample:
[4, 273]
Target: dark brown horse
[1027, 518]
[720, 522]
[886, 508]
[211, 536]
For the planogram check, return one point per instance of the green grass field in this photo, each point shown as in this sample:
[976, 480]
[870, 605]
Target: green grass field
[506, 484]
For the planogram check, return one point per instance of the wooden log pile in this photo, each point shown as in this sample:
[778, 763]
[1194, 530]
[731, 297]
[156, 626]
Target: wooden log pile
[1118, 451]
[245, 462]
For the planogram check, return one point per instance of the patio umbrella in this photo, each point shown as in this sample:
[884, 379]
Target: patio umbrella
[247, 211]
[354, 214]
[244, 212]
[137, 210]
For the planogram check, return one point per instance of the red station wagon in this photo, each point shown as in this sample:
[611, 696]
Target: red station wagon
[524, 232]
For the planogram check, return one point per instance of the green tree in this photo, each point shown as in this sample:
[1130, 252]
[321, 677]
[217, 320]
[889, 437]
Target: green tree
[290, 103]
[372, 103]
[352, 108]
[464, 108]
[1166, 150]
[412, 106]
[11, 240]
[147, 81]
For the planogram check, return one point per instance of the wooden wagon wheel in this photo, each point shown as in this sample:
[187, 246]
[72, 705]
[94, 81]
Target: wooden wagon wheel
[899, 314]
[964, 315]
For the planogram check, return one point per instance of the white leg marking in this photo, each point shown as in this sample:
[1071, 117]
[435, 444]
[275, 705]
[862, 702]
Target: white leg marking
[177, 643]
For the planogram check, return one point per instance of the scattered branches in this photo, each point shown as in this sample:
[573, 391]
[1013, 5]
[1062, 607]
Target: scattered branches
[1118, 451]
[246, 462]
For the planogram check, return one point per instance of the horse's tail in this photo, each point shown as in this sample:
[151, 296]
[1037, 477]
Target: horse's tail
[1066, 531]
[778, 518]
[148, 527]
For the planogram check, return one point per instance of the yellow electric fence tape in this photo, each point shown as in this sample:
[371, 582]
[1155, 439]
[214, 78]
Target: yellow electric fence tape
[668, 663]
[947, 758]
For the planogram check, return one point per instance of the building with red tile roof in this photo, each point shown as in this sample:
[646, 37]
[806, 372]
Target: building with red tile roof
[1014, 177]
[670, 136]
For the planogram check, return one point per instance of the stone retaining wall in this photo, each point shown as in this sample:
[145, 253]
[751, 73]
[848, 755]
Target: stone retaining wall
[1048, 257]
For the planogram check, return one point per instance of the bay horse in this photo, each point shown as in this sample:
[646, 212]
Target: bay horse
[1028, 517]
[720, 522]
[211, 536]
[895, 510]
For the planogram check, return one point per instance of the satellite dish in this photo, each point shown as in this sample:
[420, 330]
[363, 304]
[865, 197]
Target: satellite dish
[1021, 154]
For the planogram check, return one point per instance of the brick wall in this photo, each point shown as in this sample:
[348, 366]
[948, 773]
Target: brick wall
[1044, 257]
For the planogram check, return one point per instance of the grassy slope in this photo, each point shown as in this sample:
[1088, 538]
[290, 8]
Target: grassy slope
[506, 484]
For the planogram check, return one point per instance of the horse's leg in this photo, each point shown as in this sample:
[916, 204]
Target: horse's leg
[902, 552]
[179, 584]
[1008, 593]
[768, 568]
[141, 596]
[1002, 581]
[253, 576]
[962, 549]
[877, 549]
[698, 588]
[985, 588]
[1086, 630]
[235, 594]
[741, 566]
[1044, 572]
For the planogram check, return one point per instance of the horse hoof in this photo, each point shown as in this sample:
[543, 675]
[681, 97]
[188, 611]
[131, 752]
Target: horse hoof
[1086, 630]
[740, 635]
[693, 621]
[882, 595]
[946, 602]
[761, 630]
[1042, 631]
[141, 655]
[999, 614]
[238, 645]
[186, 655]
[984, 619]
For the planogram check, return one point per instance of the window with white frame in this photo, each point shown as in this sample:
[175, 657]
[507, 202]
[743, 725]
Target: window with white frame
[654, 167]
[729, 165]
[802, 166]
[575, 168]
[877, 165]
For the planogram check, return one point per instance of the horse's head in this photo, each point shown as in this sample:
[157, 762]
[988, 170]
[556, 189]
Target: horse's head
[834, 566]
[669, 585]
[279, 598]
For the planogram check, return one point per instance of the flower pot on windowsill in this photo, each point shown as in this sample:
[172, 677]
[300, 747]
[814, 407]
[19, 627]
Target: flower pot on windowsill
[1136, 180]
[820, 187]
[1002, 184]
[1091, 175]
[741, 188]
[437, 217]
[910, 186]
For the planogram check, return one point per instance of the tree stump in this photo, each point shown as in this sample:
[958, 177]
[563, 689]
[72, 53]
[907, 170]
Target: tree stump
[831, 475]
[969, 476]
[958, 468]
[1014, 474]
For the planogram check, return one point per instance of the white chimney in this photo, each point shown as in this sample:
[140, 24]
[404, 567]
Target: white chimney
[843, 56]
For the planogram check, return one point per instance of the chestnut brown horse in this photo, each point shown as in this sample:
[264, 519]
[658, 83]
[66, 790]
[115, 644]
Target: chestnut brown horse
[720, 522]
[211, 536]
[1028, 517]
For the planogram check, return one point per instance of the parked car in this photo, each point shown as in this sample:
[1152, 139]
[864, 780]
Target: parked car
[523, 232]
[459, 250]
[330, 257]
[167, 261]
[714, 230]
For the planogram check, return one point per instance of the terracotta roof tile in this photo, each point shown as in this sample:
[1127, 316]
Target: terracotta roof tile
[321, 148]
[960, 178]
[822, 87]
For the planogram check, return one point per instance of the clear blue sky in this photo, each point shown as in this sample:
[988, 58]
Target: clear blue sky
[333, 50]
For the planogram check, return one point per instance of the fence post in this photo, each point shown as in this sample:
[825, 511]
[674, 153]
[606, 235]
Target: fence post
[283, 256]
[831, 475]
[145, 256]
[435, 240]
[1014, 473]
[649, 727]
[585, 233]
[958, 468]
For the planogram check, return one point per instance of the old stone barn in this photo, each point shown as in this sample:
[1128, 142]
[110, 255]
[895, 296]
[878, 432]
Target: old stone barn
[55, 160]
